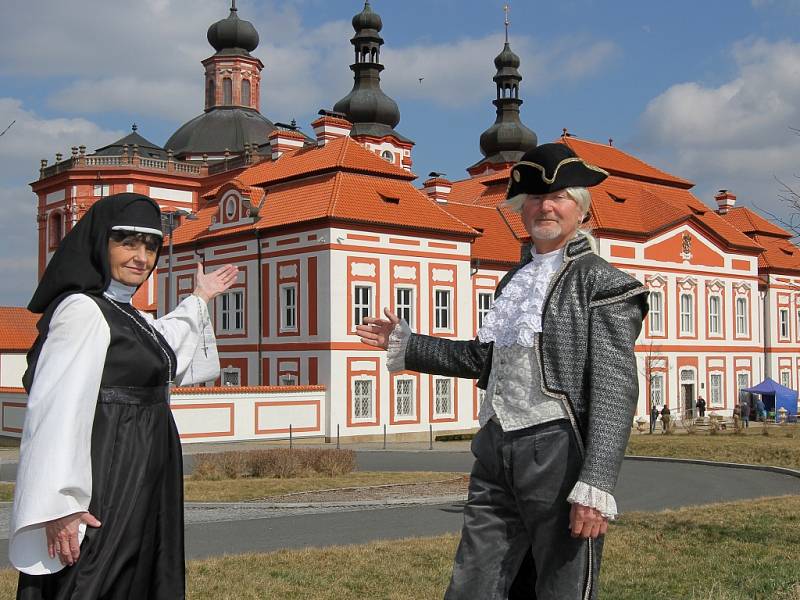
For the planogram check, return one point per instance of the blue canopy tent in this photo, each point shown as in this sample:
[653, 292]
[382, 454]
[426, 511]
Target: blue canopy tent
[775, 397]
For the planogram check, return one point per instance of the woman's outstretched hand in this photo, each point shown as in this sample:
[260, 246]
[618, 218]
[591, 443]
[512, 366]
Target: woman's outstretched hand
[62, 536]
[375, 332]
[210, 285]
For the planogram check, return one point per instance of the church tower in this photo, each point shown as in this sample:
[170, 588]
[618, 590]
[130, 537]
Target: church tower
[374, 114]
[508, 138]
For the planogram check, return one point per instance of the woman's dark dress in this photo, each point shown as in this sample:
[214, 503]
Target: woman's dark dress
[137, 479]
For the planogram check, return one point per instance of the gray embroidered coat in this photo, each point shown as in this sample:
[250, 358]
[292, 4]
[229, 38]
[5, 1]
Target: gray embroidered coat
[591, 318]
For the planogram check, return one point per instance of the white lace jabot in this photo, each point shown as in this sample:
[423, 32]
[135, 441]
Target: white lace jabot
[516, 315]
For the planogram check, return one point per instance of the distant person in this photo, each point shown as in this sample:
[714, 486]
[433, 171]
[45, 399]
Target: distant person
[653, 417]
[98, 505]
[744, 410]
[701, 407]
[761, 409]
[665, 417]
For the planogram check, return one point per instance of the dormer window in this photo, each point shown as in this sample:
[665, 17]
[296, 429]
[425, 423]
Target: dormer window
[387, 156]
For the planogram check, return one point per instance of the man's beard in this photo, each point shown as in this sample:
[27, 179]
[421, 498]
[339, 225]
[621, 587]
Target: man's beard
[546, 232]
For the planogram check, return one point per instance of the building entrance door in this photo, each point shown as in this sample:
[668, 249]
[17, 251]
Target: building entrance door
[687, 393]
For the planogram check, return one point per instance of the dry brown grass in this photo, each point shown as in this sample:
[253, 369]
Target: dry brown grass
[236, 490]
[731, 551]
[781, 448]
[274, 462]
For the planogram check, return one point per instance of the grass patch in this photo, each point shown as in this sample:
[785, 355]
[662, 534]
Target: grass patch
[6, 492]
[781, 448]
[234, 490]
[730, 551]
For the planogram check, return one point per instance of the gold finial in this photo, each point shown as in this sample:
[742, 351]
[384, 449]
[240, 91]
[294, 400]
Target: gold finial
[506, 8]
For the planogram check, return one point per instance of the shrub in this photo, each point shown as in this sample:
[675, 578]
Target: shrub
[279, 463]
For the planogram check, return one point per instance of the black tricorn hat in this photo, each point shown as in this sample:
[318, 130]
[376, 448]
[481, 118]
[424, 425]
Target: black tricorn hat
[549, 168]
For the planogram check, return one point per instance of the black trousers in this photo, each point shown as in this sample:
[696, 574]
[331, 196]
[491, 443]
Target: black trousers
[137, 494]
[516, 542]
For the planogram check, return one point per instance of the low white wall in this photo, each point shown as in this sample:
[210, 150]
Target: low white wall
[218, 414]
[12, 366]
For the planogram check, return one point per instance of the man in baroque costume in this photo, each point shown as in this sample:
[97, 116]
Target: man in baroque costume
[556, 358]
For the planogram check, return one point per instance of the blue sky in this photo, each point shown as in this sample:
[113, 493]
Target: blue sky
[707, 90]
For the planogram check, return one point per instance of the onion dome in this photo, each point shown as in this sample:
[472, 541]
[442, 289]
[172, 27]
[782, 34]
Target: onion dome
[233, 33]
[506, 59]
[367, 19]
[370, 110]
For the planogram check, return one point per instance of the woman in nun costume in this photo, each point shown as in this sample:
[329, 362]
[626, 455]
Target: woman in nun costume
[98, 508]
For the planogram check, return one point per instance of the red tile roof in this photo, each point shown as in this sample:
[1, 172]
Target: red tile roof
[747, 221]
[497, 242]
[621, 163]
[17, 328]
[486, 190]
[779, 254]
[342, 197]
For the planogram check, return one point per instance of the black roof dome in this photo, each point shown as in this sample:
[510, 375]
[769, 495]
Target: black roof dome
[233, 33]
[224, 128]
[506, 58]
[367, 19]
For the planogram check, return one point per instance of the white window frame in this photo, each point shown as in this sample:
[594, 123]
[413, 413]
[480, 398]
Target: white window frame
[442, 312]
[655, 321]
[715, 387]
[797, 325]
[409, 396]
[357, 385]
[101, 190]
[741, 316]
[228, 315]
[439, 398]
[783, 323]
[739, 386]
[403, 310]
[787, 380]
[484, 302]
[287, 379]
[288, 309]
[686, 316]
[359, 308]
[657, 390]
[715, 317]
[227, 371]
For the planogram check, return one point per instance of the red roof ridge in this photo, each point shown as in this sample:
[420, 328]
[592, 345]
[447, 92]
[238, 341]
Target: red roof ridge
[337, 184]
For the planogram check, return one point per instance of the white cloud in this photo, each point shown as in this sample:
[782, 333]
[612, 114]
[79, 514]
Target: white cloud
[734, 135]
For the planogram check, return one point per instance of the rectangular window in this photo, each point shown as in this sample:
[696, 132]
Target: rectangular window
[786, 379]
[101, 190]
[362, 303]
[687, 314]
[362, 398]
[443, 398]
[797, 326]
[657, 389]
[404, 397]
[714, 317]
[441, 309]
[742, 381]
[231, 377]
[232, 311]
[715, 385]
[289, 307]
[783, 316]
[656, 315]
[484, 306]
[287, 379]
[404, 302]
[741, 316]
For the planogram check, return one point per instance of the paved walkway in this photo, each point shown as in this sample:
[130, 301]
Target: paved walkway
[215, 529]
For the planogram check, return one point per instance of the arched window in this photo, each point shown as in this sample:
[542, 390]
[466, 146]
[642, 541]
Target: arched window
[210, 93]
[227, 91]
[55, 229]
[246, 92]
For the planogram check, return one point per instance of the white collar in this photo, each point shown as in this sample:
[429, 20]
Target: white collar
[558, 252]
[119, 292]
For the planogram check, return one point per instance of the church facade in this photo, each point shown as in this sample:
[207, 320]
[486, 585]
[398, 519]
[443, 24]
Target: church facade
[329, 228]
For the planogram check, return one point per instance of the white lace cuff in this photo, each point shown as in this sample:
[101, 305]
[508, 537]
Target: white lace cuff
[396, 352]
[593, 497]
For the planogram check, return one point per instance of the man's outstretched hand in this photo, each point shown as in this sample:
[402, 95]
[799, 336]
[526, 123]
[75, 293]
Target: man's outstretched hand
[375, 332]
